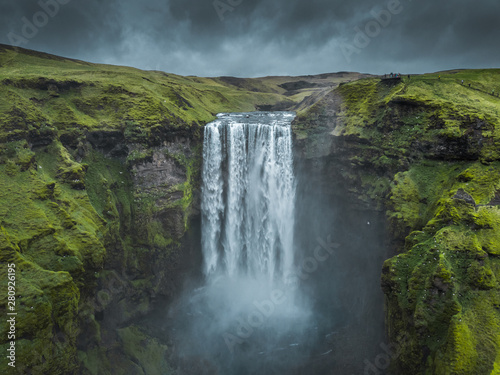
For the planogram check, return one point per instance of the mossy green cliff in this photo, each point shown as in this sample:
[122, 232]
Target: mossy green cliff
[426, 150]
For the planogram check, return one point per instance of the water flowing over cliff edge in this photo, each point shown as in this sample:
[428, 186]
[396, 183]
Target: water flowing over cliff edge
[248, 314]
[248, 195]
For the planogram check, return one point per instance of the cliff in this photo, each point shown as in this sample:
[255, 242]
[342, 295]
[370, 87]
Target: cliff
[426, 152]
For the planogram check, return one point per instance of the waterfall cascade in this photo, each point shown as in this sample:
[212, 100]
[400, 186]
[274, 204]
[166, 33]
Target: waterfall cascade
[248, 195]
[247, 318]
[262, 307]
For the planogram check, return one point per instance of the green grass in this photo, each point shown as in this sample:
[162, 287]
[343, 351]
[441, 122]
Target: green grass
[392, 116]
[67, 94]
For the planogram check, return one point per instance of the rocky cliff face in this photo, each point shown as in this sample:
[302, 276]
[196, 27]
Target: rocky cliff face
[95, 237]
[425, 151]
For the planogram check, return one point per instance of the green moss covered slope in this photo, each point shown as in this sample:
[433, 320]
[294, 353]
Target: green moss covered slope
[425, 149]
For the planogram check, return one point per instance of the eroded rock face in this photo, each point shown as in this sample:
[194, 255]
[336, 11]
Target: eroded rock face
[163, 189]
[160, 171]
[163, 165]
[97, 236]
[151, 217]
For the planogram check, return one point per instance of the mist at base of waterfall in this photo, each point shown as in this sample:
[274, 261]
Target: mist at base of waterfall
[336, 315]
[243, 326]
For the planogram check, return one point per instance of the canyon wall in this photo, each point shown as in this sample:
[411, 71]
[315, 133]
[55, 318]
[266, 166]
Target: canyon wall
[425, 152]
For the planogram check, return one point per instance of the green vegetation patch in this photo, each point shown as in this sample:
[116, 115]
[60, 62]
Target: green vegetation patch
[444, 289]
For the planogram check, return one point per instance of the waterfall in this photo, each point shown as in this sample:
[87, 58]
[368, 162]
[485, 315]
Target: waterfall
[249, 315]
[268, 305]
[248, 195]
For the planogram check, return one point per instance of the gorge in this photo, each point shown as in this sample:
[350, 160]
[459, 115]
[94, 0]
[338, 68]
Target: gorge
[126, 249]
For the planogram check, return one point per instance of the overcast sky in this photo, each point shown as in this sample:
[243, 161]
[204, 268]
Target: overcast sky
[249, 38]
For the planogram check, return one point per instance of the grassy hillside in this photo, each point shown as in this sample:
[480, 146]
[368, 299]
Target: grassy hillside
[44, 93]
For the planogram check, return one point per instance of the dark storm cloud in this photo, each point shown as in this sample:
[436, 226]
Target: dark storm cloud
[261, 37]
[71, 27]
